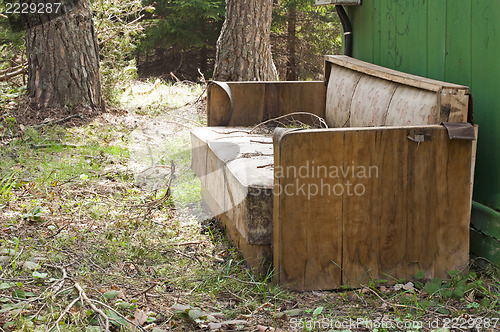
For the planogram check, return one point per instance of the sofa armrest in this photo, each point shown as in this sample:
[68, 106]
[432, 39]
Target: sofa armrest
[352, 204]
[249, 103]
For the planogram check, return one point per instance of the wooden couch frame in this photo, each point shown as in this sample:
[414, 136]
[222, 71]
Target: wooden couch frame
[388, 189]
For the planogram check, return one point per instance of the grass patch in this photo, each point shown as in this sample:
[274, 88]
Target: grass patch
[89, 237]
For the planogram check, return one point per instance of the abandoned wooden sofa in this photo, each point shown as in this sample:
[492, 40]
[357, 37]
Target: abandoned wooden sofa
[385, 192]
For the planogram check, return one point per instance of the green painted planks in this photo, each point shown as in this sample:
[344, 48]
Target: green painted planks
[486, 90]
[483, 245]
[388, 15]
[486, 220]
[450, 40]
[411, 37]
[436, 39]
[458, 42]
[362, 22]
[376, 31]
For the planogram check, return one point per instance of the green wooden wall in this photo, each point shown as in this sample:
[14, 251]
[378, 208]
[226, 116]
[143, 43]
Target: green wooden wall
[451, 40]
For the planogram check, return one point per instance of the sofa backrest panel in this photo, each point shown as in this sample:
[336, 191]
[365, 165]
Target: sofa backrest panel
[360, 94]
[254, 102]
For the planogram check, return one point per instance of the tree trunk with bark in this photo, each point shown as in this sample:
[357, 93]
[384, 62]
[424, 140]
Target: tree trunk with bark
[63, 58]
[243, 47]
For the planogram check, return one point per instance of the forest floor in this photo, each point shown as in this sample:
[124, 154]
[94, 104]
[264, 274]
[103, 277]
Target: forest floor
[101, 224]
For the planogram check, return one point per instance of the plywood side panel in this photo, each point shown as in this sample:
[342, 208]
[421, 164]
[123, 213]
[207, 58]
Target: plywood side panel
[438, 204]
[308, 216]
[374, 216]
[405, 206]
[307, 97]
[249, 103]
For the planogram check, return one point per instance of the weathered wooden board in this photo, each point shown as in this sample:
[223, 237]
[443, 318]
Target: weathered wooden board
[236, 169]
[258, 101]
[361, 94]
[307, 229]
[341, 87]
[408, 207]
[257, 256]
[388, 74]
[371, 102]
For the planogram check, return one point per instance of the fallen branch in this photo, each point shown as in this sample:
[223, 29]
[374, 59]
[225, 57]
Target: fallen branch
[396, 304]
[51, 123]
[84, 297]
[66, 310]
[320, 119]
[174, 77]
[8, 70]
[14, 73]
[119, 314]
[195, 101]
[244, 282]
[45, 146]
[145, 291]
[187, 243]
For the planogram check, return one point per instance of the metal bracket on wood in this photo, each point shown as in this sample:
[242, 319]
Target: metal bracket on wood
[419, 136]
[463, 131]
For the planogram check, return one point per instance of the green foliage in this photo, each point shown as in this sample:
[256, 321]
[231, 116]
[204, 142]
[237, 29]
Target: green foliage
[119, 25]
[11, 42]
[317, 31]
[184, 23]
[181, 38]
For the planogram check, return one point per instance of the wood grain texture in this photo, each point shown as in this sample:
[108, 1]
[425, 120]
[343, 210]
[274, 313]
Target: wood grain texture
[255, 102]
[410, 213]
[361, 94]
[390, 74]
[257, 256]
[371, 101]
[341, 88]
[307, 246]
[412, 106]
[233, 167]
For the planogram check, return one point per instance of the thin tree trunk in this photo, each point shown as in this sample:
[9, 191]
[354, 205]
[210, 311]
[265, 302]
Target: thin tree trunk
[63, 58]
[291, 63]
[243, 47]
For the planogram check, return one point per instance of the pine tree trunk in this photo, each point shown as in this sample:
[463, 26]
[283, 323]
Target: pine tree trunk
[63, 58]
[243, 47]
[291, 64]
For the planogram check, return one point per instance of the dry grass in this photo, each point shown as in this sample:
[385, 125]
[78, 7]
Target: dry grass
[91, 235]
